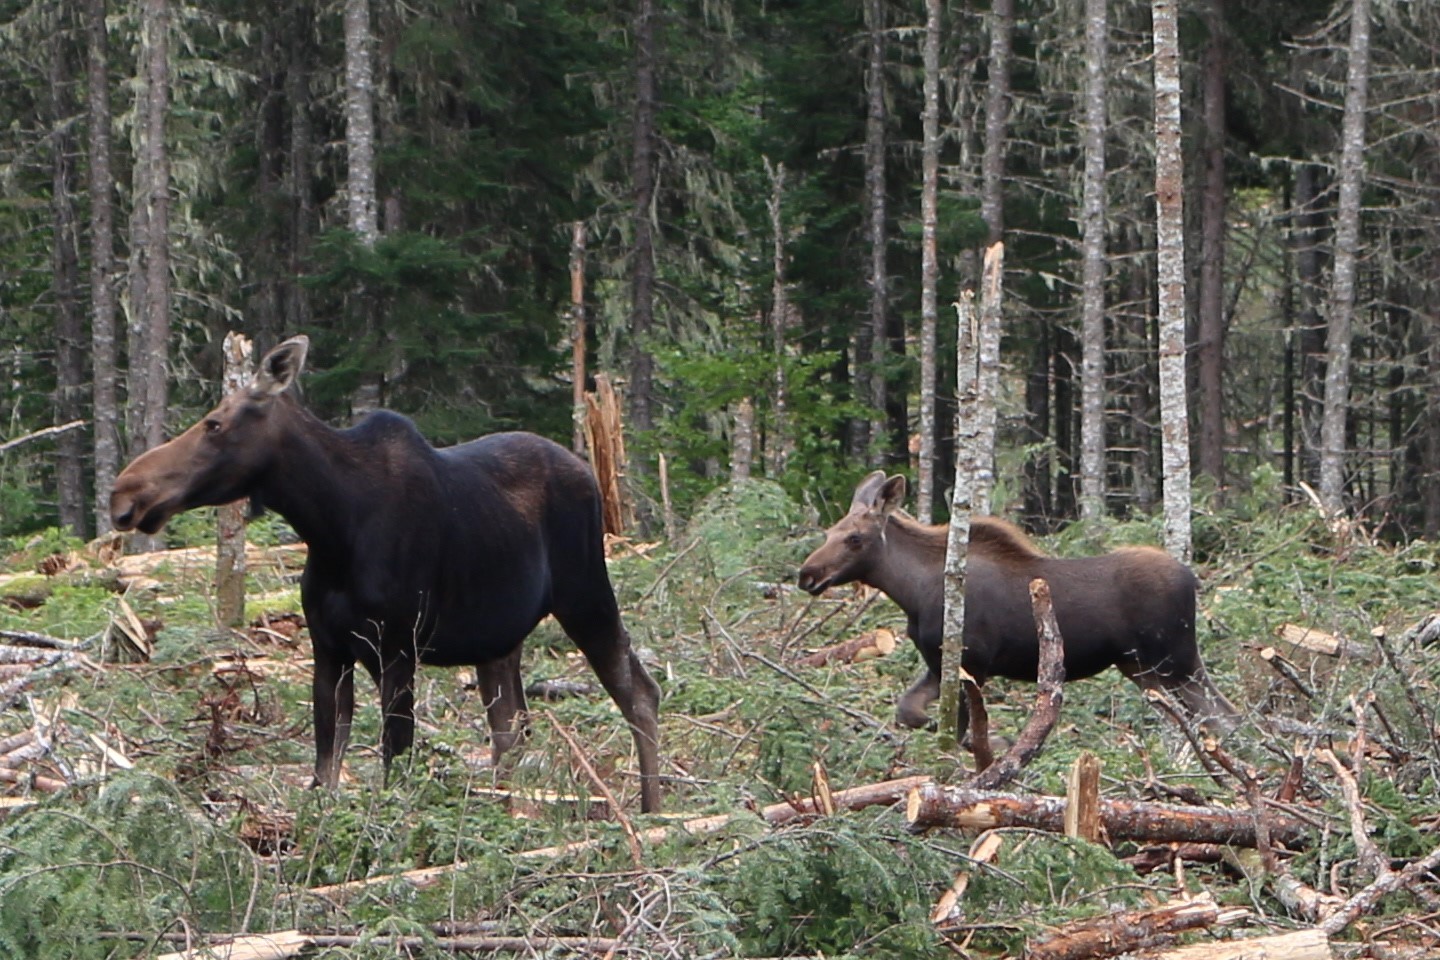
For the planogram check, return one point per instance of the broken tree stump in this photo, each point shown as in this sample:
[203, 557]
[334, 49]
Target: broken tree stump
[933, 806]
[1118, 933]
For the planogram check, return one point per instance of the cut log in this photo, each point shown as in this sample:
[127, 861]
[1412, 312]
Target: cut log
[932, 805]
[1298, 945]
[1120, 933]
[950, 906]
[868, 646]
[255, 946]
[1318, 641]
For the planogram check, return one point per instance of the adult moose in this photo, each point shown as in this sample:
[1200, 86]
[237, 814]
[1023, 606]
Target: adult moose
[1133, 609]
[444, 557]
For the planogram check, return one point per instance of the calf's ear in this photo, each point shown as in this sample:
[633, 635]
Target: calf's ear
[867, 492]
[891, 495]
[279, 368]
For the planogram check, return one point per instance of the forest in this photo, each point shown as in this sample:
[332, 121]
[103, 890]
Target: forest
[1203, 237]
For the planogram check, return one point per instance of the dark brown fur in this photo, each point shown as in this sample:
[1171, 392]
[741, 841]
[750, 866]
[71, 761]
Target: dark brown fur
[417, 555]
[1133, 608]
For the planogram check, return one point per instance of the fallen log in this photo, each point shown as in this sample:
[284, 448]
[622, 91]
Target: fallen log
[292, 943]
[879, 642]
[1297, 945]
[284, 558]
[1119, 933]
[855, 798]
[931, 806]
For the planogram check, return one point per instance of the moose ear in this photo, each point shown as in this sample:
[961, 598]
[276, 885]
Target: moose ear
[280, 367]
[891, 496]
[866, 492]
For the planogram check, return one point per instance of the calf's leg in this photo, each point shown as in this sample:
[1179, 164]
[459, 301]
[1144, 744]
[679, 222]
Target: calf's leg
[911, 709]
[397, 703]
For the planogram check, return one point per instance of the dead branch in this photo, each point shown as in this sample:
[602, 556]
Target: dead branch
[579, 754]
[1287, 670]
[291, 943]
[1126, 932]
[879, 642]
[933, 806]
[28, 638]
[1049, 698]
[1318, 641]
[1298, 945]
[856, 798]
[9, 445]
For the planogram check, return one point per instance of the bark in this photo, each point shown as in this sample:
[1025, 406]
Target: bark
[104, 374]
[997, 115]
[642, 186]
[298, 169]
[1082, 798]
[1170, 273]
[1127, 932]
[963, 808]
[1341, 303]
[876, 643]
[929, 261]
[1210, 345]
[1297, 945]
[605, 439]
[577, 335]
[742, 441]
[65, 283]
[875, 213]
[1318, 641]
[360, 123]
[1092, 281]
[230, 518]
[1307, 232]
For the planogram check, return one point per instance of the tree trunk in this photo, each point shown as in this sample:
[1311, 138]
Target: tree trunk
[360, 123]
[577, 336]
[997, 115]
[642, 185]
[1092, 283]
[65, 274]
[779, 443]
[298, 170]
[742, 440]
[105, 408]
[157, 254]
[1347, 249]
[1210, 346]
[929, 261]
[875, 213]
[1308, 230]
[230, 518]
[1170, 274]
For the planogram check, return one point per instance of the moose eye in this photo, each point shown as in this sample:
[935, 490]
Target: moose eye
[854, 541]
[212, 426]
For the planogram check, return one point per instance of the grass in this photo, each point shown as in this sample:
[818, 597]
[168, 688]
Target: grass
[217, 831]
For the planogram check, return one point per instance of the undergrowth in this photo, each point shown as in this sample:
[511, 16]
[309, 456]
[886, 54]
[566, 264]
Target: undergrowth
[123, 859]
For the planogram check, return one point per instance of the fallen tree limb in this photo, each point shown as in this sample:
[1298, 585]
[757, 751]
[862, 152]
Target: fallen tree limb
[931, 805]
[1049, 697]
[9, 445]
[1318, 641]
[1119, 933]
[879, 642]
[855, 798]
[1387, 883]
[28, 638]
[1298, 945]
[291, 943]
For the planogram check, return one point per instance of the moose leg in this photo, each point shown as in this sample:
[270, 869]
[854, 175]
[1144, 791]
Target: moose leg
[1197, 694]
[911, 709]
[503, 691]
[600, 636]
[979, 726]
[397, 703]
[333, 691]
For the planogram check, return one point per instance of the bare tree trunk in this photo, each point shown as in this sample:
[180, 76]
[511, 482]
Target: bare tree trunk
[577, 335]
[230, 518]
[977, 378]
[642, 185]
[929, 260]
[1347, 249]
[102, 266]
[360, 123]
[779, 444]
[997, 116]
[157, 255]
[1170, 273]
[298, 166]
[1309, 227]
[1092, 281]
[1210, 348]
[742, 441]
[875, 146]
[65, 272]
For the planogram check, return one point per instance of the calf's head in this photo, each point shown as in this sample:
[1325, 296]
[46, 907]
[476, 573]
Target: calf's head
[218, 459]
[854, 545]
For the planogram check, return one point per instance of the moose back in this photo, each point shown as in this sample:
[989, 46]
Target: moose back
[417, 555]
[1133, 609]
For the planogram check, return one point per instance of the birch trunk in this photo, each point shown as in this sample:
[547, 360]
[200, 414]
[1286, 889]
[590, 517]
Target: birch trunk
[929, 261]
[1092, 281]
[997, 115]
[977, 383]
[360, 123]
[779, 444]
[105, 407]
[1347, 249]
[156, 158]
[1170, 277]
[577, 335]
[298, 170]
[230, 518]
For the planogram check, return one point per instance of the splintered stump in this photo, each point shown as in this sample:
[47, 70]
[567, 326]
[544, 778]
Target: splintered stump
[931, 805]
[605, 439]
